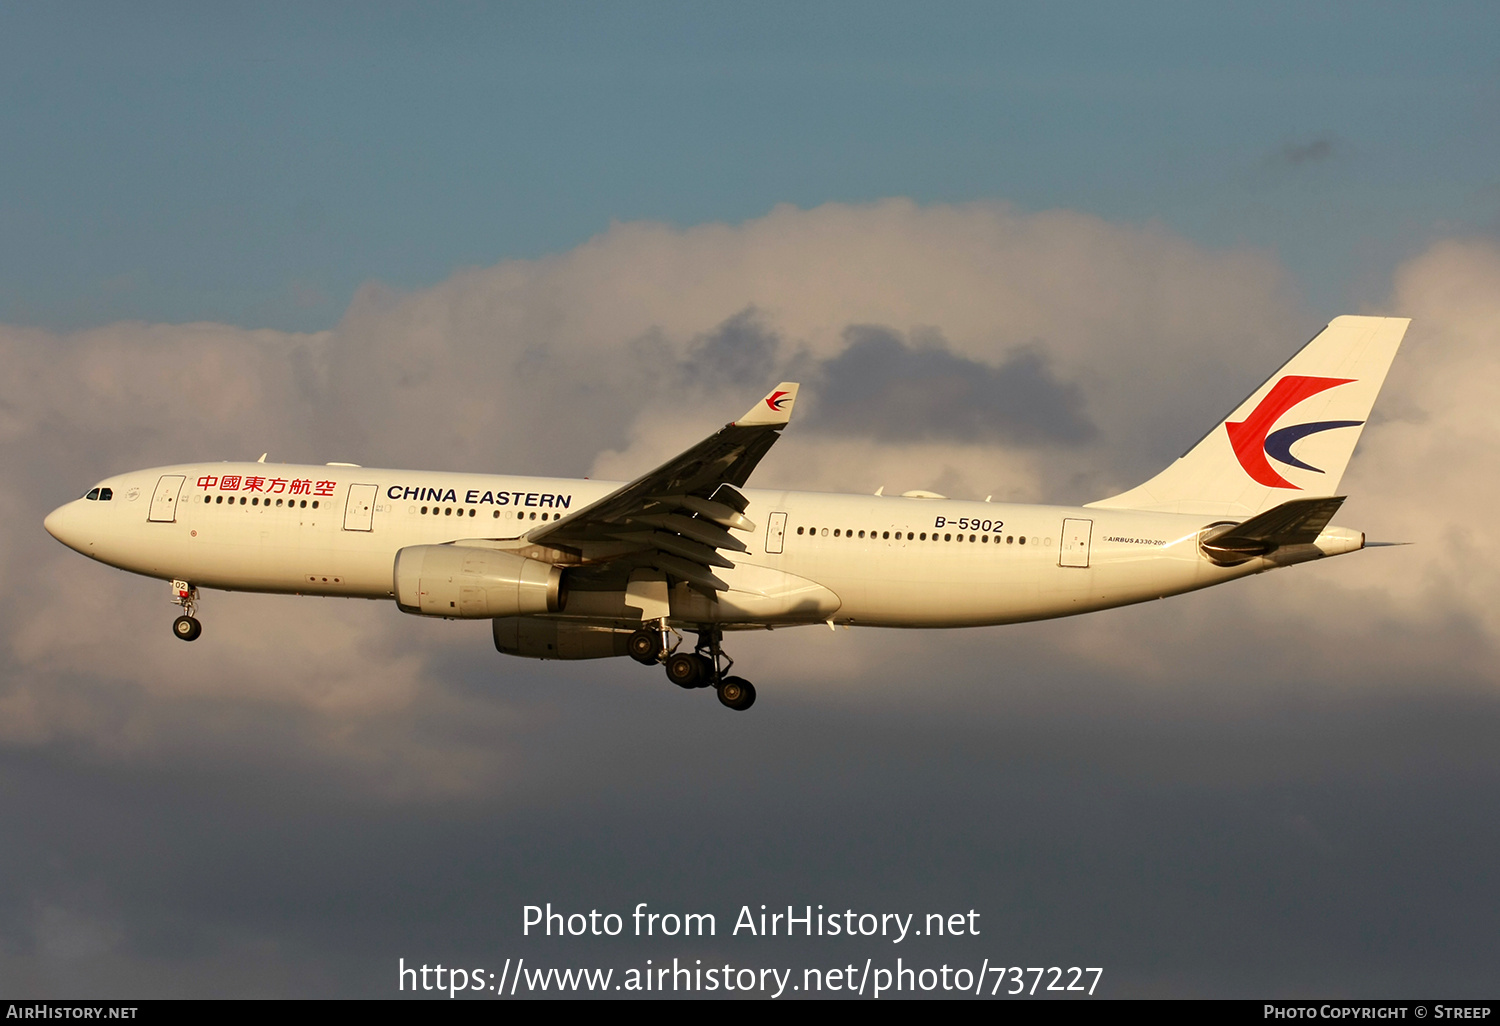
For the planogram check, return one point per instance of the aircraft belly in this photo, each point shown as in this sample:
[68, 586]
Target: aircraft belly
[965, 593]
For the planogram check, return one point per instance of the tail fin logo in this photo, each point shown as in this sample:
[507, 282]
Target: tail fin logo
[1253, 438]
[776, 400]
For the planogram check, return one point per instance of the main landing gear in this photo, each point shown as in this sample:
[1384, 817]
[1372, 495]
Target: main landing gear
[704, 667]
[186, 626]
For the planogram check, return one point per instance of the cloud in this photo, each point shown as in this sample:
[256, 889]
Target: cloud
[317, 786]
[883, 388]
[1312, 151]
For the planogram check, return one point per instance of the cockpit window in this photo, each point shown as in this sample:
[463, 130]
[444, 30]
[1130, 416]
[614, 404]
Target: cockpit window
[93, 494]
[105, 494]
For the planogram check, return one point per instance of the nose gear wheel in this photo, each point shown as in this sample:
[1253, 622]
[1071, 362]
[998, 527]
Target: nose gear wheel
[186, 626]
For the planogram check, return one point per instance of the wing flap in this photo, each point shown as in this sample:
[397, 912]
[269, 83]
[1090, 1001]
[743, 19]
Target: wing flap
[695, 575]
[718, 512]
[677, 545]
[708, 533]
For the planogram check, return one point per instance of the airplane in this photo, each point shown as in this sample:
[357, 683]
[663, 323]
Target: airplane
[583, 569]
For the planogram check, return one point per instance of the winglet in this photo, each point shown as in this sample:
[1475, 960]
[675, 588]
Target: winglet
[775, 408]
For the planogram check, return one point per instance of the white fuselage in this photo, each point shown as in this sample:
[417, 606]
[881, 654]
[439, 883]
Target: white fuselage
[859, 559]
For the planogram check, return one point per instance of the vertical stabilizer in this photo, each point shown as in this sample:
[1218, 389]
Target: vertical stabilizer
[1291, 439]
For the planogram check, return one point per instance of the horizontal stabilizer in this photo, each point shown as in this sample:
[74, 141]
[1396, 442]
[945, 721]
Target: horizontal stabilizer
[1298, 522]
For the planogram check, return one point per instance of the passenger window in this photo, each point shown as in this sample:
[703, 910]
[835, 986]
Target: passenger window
[255, 501]
[947, 537]
[886, 535]
[472, 512]
[1010, 539]
[861, 534]
[242, 500]
[208, 498]
[93, 494]
[835, 532]
[799, 530]
[924, 535]
[971, 537]
[219, 500]
[315, 503]
[984, 538]
[497, 514]
[1023, 539]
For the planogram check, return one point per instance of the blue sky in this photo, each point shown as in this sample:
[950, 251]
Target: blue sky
[254, 164]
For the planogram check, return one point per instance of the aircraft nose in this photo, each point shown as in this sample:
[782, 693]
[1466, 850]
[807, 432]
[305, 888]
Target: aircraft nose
[59, 524]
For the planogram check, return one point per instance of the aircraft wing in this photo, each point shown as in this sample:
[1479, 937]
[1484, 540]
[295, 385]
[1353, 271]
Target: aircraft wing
[678, 517]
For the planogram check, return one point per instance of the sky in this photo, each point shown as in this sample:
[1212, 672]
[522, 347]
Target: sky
[1057, 243]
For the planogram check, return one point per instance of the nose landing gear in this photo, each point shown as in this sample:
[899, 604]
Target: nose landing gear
[186, 626]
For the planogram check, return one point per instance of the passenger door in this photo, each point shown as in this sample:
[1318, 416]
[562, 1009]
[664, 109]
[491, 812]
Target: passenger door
[1075, 542]
[164, 499]
[359, 508]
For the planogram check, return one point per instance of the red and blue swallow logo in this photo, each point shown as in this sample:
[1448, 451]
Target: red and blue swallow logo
[1253, 439]
[776, 400]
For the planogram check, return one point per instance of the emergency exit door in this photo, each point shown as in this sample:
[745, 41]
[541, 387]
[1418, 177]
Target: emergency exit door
[1075, 542]
[164, 499]
[775, 532]
[359, 509]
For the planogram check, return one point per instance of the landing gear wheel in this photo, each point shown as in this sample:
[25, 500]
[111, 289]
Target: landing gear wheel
[737, 693]
[689, 671]
[187, 628]
[645, 647]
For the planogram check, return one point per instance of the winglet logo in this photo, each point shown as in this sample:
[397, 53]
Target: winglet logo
[776, 399]
[1253, 439]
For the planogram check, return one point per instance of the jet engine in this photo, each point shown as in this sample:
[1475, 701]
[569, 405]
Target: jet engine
[472, 583]
[549, 639]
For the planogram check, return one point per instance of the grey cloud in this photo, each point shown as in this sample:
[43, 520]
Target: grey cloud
[1312, 151]
[1216, 842]
[887, 388]
[742, 352]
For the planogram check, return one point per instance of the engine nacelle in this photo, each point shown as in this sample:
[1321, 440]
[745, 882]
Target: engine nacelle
[472, 583]
[549, 639]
